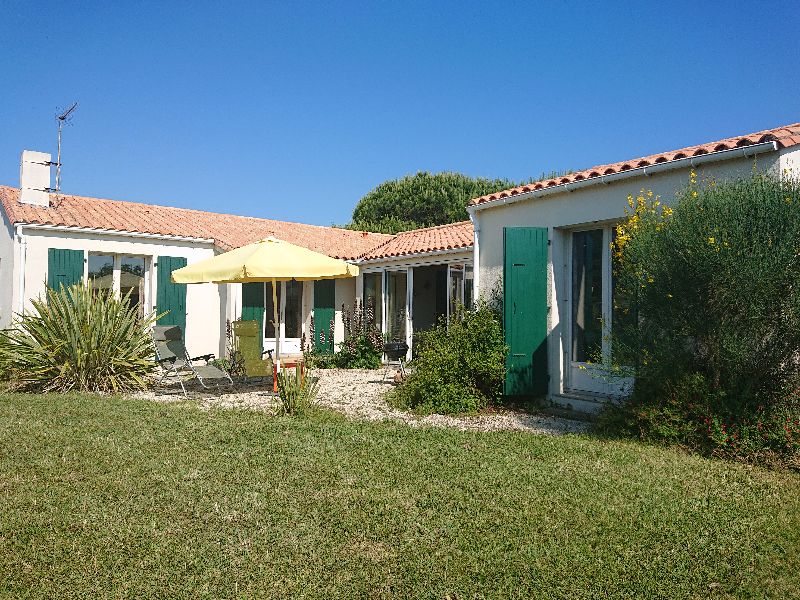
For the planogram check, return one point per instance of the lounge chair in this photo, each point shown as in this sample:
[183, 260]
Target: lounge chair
[174, 360]
[248, 345]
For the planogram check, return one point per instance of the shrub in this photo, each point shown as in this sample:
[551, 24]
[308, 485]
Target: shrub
[362, 347]
[459, 367]
[714, 286]
[78, 339]
[296, 393]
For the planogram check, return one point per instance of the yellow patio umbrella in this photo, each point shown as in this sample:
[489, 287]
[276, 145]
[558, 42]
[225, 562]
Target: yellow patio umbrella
[271, 260]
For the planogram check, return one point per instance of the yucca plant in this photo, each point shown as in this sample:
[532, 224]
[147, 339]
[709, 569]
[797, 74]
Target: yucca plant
[296, 392]
[78, 339]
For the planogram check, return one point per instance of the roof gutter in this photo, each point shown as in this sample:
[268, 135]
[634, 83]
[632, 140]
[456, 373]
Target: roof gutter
[412, 255]
[133, 234]
[681, 163]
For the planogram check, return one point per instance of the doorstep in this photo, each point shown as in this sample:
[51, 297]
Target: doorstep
[578, 405]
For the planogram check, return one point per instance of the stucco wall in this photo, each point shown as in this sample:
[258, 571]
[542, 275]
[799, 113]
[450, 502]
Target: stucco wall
[6, 271]
[205, 303]
[345, 294]
[598, 204]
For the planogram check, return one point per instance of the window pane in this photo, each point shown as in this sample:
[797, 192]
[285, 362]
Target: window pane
[294, 309]
[131, 280]
[456, 288]
[587, 295]
[468, 281]
[101, 271]
[269, 312]
[396, 284]
[373, 296]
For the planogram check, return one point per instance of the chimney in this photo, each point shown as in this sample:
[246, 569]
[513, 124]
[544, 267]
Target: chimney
[34, 178]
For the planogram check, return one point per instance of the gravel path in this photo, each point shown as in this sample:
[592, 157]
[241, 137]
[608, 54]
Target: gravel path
[359, 395]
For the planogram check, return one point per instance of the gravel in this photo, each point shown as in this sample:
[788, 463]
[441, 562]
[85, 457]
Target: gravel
[359, 394]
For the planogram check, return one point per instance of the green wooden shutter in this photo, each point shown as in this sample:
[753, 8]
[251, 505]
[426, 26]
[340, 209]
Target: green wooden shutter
[171, 296]
[64, 267]
[253, 308]
[525, 310]
[324, 313]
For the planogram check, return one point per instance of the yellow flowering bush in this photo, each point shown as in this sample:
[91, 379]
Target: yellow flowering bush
[714, 282]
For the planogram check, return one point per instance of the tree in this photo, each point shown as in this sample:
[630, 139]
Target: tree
[421, 200]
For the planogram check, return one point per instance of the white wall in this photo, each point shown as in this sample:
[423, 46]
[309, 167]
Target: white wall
[205, 303]
[597, 204]
[6, 271]
[345, 293]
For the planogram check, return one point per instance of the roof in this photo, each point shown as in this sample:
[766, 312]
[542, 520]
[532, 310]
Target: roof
[227, 231]
[430, 239]
[785, 136]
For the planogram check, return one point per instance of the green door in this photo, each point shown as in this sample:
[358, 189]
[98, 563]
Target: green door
[253, 308]
[64, 267]
[525, 310]
[171, 296]
[324, 313]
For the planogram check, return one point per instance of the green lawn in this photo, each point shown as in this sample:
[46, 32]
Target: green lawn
[112, 498]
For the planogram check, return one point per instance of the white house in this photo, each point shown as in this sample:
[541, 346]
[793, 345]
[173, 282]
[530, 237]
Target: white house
[49, 238]
[545, 246]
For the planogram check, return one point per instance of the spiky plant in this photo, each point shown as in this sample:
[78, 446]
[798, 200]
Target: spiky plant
[296, 392]
[78, 339]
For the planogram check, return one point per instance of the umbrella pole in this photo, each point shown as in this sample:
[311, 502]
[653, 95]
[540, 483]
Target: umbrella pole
[277, 325]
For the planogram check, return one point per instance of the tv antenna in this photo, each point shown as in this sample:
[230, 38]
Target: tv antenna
[62, 118]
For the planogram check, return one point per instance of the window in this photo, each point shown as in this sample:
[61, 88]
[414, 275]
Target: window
[396, 317]
[293, 321]
[269, 309]
[456, 287]
[373, 296]
[587, 295]
[468, 283]
[123, 275]
[290, 310]
[131, 281]
[101, 271]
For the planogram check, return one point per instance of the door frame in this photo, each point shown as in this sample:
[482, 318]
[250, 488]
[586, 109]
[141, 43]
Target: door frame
[582, 377]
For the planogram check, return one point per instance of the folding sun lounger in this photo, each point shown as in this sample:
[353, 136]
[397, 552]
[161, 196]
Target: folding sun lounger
[174, 360]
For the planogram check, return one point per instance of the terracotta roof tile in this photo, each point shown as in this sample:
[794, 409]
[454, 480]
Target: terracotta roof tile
[430, 239]
[786, 136]
[227, 231]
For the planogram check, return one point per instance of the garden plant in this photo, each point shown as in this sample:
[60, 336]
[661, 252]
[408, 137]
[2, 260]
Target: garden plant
[707, 316]
[459, 365]
[78, 339]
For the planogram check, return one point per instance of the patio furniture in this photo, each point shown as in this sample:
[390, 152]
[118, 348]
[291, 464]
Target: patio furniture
[395, 356]
[267, 260]
[248, 344]
[174, 360]
[286, 363]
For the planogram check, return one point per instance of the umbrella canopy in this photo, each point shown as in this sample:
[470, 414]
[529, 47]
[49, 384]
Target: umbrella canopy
[265, 260]
[271, 260]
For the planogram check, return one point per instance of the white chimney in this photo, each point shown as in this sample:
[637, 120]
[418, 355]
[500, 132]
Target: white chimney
[34, 178]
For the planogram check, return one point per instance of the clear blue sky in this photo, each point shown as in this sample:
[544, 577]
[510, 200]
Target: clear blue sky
[295, 110]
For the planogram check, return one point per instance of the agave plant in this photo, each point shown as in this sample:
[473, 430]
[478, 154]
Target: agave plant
[78, 339]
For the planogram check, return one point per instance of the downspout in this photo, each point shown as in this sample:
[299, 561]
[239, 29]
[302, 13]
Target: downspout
[21, 266]
[476, 272]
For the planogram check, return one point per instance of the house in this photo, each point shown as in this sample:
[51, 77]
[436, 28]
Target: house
[132, 248]
[546, 247]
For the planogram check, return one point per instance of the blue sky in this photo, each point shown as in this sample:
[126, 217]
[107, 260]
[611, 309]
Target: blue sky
[295, 110]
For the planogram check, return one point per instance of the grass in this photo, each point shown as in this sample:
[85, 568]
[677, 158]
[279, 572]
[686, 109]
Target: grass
[106, 497]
